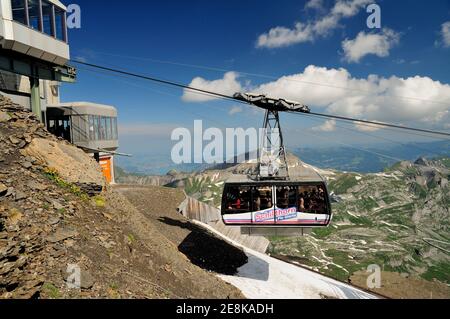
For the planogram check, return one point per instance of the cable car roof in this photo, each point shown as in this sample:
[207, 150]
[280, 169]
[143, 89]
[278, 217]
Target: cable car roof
[300, 173]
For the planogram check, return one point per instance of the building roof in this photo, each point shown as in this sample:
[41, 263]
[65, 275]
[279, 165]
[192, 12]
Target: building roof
[58, 4]
[86, 108]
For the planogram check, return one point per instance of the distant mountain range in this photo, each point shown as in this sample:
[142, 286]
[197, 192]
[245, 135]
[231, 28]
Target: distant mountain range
[145, 164]
[370, 159]
[358, 159]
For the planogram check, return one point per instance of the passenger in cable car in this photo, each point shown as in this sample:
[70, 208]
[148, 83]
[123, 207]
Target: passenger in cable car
[245, 196]
[256, 201]
[237, 205]
[301, 204]
[283, 198]
[304, 200]
[312, 200]
[269, 204]
[235, 201]
[266, 200]
[321, 193]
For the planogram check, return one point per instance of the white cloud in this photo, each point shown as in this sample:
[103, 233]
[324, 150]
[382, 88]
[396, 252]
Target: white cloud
[282, 37]
[367, 127]
[307, 32]
[228, 85]
[336, 91]
[349, 8]
[328, 126]
[375, 98]
[378, 44]
[235, 110]
[446, 34]
[315, 4]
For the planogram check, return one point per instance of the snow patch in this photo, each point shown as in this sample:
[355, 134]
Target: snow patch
[384, 175]
[351, 214]
[264, 277]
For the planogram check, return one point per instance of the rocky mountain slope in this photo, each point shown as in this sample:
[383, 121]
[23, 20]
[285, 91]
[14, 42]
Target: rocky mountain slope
[397, 219]
[57, 217]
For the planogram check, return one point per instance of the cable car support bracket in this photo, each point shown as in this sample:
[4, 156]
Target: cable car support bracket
[272, 158]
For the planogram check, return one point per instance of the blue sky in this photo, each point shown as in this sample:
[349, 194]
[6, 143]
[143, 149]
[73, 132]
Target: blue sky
[134, 35]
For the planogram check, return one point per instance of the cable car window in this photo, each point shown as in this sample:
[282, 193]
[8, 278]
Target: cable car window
[237, 200]
[34, 13]
[286, 197]
[18, 11]
[262, 198]
[312, 199]
[47, 17]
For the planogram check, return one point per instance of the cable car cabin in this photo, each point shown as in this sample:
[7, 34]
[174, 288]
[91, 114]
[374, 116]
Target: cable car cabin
[292, 204]
[301, 202]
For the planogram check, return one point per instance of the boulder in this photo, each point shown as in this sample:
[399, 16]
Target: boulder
[422, 162]
[14, 140]
[62, 234]
[20, 195]
[4, 117]
[3, 189]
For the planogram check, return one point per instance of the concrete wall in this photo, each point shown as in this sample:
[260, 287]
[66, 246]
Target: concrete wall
[196, 210]
[9, 82]
[21, 100]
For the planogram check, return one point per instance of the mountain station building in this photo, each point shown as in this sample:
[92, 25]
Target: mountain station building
[34, 52]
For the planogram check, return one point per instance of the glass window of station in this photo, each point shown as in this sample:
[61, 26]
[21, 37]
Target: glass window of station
[102, 128]
[18, 11]
[47, 18]
[41, 15]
